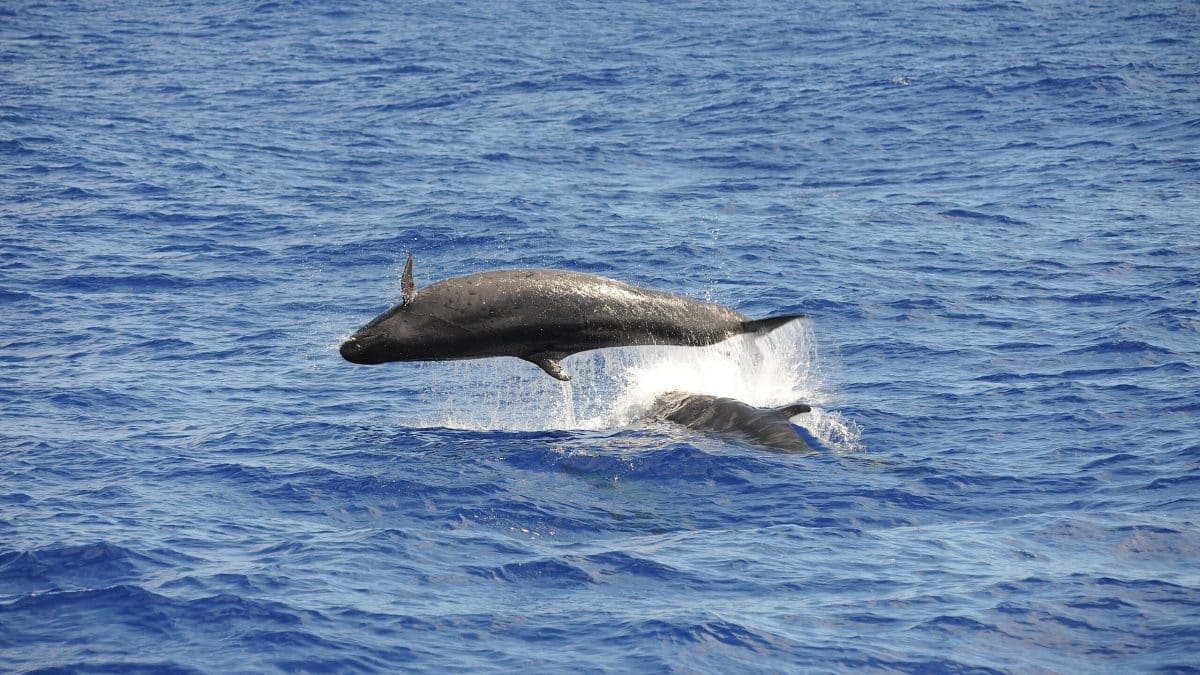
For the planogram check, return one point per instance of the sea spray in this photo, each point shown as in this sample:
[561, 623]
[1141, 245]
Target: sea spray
[613, 388]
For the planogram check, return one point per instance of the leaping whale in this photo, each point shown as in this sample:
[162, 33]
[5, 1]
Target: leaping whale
[539, 315]
[769, 427]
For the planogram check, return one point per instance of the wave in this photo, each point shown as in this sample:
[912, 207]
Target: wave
[678, 462]
[70, 566]
[1120, 347]
[966, 214]
[123, 666]
[1172, 368]
[156, 282]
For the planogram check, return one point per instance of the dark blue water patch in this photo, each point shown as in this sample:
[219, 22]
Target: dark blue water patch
[209, 585]
[1075, 601]
[154, 349]
[1172, 368]
[120, 666]
[934, 665]
[128, 610]
[1174, 482]
[223, 608]
[15, 148]
[7, 296]
[234, 473]
[885, 348]
[515, 515]
[374, 250]
[1088, 86]
[681, 462]
[70, 567]
[700, 633]
[1104, 298]
[94, 399]
[1120, 347]
[293, 641]
[381, 659]
[966, 214]
[554, 572]
[109, 495]
[1118, 459]
[951, 625]
[319, 485]
[1143, 590]
[617, 564]
[1186, 405]
[1176, 318]
[136, 283]
[1020, 347]
[76, 193]
[917, 303]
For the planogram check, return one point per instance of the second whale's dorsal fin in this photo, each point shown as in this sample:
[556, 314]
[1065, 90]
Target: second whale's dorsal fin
[549, 363]
[407, 287]
[790, 411]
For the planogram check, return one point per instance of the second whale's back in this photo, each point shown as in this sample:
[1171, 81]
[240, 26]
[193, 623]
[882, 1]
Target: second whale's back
[769, 427]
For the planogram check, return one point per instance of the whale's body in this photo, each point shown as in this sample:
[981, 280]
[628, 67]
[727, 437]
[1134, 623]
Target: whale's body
[538, 315]
[769, 427]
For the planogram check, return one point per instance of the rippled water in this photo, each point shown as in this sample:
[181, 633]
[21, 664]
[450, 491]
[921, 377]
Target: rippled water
[988, 210]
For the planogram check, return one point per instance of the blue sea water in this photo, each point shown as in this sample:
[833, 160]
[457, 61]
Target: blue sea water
[988, 209]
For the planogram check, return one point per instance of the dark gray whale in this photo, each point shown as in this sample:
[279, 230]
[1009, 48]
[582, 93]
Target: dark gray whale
[538, 315]
[768, 427]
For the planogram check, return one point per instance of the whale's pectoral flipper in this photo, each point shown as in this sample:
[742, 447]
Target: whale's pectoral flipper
[407, 287]
[549, 363]
[790, 411]
[770, 323]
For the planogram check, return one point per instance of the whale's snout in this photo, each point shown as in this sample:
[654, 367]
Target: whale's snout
[349, 349]
[356, 351]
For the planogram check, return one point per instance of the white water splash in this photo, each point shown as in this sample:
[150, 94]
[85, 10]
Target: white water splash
[613, 388]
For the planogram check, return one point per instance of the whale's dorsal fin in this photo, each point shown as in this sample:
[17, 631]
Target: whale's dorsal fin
[407, 287]
[549, 363]
[790, 411]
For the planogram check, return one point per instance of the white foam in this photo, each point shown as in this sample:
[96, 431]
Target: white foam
[612, 388]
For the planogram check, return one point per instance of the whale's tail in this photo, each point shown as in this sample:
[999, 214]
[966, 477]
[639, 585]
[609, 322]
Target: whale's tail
[760, 326]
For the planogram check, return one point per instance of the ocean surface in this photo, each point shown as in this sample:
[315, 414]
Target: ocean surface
[990, 212]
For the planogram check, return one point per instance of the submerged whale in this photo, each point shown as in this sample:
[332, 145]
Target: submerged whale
[769, 427]
[538, 315]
